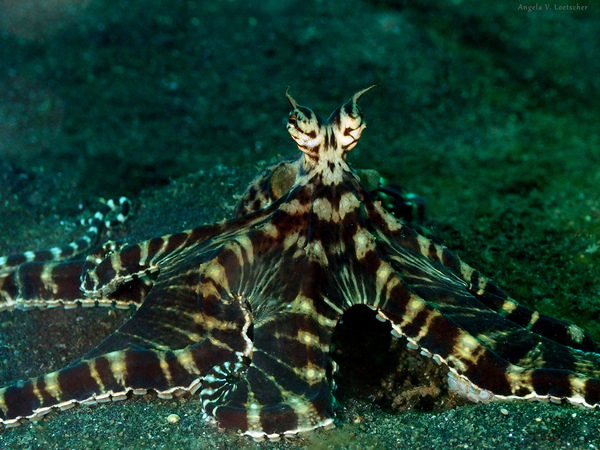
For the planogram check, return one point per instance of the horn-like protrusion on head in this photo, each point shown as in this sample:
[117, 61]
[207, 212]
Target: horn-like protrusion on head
[356, 96]
[349, 121]
[305, 127]
[291, 100]
[336, 135]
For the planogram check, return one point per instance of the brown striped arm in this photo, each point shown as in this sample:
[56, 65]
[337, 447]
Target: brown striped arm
[48, 285]
[173, 315]
[115, 212]
[112, 265]
[280, 386]
[42, 285]
[167, 353]
[36, 279]
[490, 299]
[409, 248]
[489, 357]
[109, 377]
[283, 388]
[428, 300]
[557, 330]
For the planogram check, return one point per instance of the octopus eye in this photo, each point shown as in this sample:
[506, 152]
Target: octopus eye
[292, 120]
[357, 116]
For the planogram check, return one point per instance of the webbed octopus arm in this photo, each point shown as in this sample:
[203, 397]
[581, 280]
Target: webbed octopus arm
[494, 348]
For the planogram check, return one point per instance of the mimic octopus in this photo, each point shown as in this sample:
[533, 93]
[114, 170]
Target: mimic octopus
[242, 312]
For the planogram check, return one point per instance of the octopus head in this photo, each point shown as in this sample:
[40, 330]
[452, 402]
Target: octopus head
[333, 137]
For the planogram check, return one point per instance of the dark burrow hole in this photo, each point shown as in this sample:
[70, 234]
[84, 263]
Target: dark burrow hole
[374, 366]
